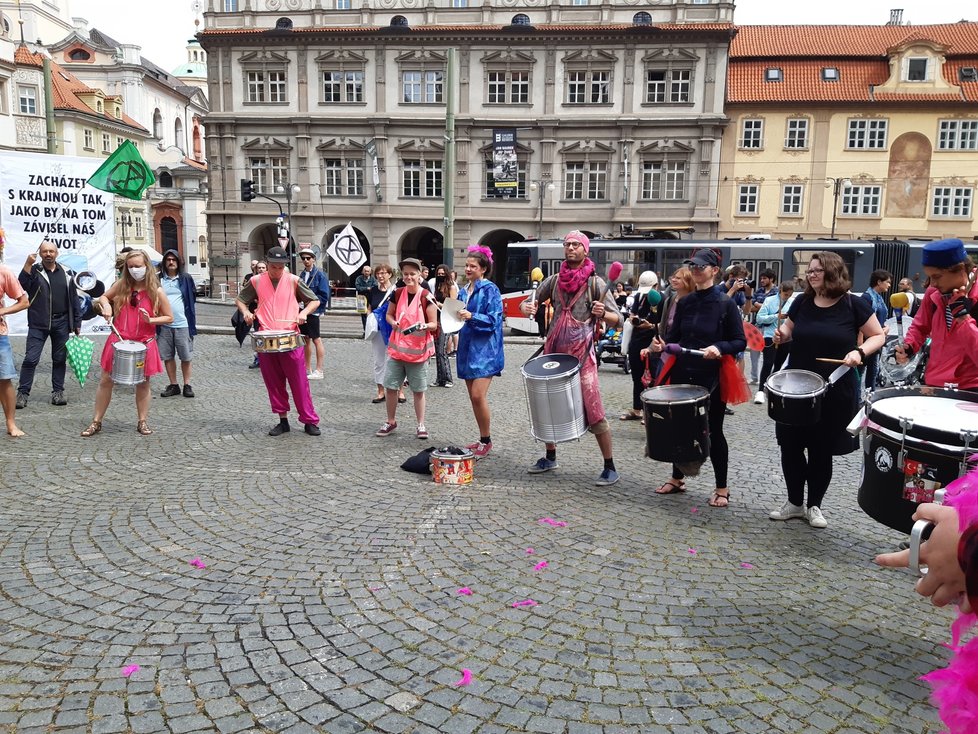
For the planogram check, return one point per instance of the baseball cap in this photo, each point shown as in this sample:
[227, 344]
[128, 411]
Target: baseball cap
[277, 255]
[703, 257]
[647, 281]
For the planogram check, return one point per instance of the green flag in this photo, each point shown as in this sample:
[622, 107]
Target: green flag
[124, 173]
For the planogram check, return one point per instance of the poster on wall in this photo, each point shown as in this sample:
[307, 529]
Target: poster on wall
[504, 162]
[46, 197]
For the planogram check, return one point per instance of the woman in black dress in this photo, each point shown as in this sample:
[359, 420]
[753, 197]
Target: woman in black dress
[825, 321]
[644, 318]
[709, 321]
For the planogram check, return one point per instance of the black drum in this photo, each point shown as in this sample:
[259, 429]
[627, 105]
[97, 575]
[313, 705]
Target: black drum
[794, 397]
[916, 441]
[677, 423]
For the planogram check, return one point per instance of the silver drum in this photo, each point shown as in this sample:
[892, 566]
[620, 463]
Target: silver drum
[553, 397]
[128, 362]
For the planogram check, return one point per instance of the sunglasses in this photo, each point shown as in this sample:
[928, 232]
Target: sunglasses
[694, 266]
[306, 257]
[134, 299]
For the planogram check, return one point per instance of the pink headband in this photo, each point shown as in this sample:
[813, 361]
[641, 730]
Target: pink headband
[578, 236]
[483, 251]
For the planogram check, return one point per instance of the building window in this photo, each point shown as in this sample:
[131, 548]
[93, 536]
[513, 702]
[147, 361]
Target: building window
[106, 143]
[230, 6]
[642, 18]
[916, 70]
[580, 2]
[664, 180]
[957, 135]
[165, 180]
[752, 133]
[266, 86]
[791, 199]
[269, 173]
[952, 201]
[421, 179]
[830, 74]
[79, 54]
[773, 75]
[27, 99]
[586, 181]
[589, 87]
[867, 134]
[460, 3]
[667, 85]
[343, 5]
[747, 199]
[89, 139]
[507, 87]
[492, 192]
[119, 140]
[796, 134]
[422, 87]
[342, 86]
[968, 74]
[343, 177]
[861, 201]
[137, 222]
[3, 96]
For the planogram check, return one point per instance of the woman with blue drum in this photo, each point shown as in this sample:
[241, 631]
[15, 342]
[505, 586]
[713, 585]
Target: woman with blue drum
[825, 322]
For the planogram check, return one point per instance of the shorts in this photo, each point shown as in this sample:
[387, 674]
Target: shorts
[310, 329]
[175, 341]
[8, 370]
[415, 372]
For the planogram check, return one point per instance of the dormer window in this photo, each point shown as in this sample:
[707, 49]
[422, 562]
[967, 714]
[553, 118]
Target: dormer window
[830, 74]
[916, 70]
[773, 75]
[79, 54]
[968, 74]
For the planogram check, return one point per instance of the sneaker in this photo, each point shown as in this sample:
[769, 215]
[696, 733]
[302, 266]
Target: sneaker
[312, 430]
[386, 429]
[480, 450]
[728, 411]
[787, 512]
[759, 397]
[254, 365]
[422, 431]
[170, 391]
[279, 428]
[607, 478]
[316, 375]
[188, 392]
[816, 519]
[21, 400]
[58, 398]
[448, 384]
[542, 465]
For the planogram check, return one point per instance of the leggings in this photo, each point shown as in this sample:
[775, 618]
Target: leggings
[719, 452]
[773, 359]
[816, 468]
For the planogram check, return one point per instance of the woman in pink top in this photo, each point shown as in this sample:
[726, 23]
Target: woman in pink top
[135, 305]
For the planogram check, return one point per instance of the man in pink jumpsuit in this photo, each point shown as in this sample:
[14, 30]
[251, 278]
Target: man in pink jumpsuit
[278, 294]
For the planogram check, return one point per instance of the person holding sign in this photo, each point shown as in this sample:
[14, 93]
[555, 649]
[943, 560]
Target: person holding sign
[135, 305]
[9, 288]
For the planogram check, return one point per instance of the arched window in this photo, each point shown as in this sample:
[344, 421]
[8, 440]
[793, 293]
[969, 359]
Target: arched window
[166, 180]
[178, 134]
[79, 54]
[642, 18]
[399, 21]
[521, 19]
[157, 124]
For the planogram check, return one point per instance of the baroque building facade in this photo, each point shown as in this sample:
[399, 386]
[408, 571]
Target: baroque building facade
[617, 108]
[851, 132]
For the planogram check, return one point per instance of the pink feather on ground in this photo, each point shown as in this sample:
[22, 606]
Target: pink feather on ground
[464, 591]
[524, 603]
[197, 563]
[129, 670]
[466, 678]
[540, 566]
[530, 551]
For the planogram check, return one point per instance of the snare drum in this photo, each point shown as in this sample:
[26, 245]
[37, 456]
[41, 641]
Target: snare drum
[916, 440]
[554, 398]
[275, 341]
[794, 397]
[128, 362]
[677, 423]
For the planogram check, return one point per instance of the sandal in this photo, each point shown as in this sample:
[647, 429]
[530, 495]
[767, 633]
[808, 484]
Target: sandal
[719, 500]
[377, 400]
[673, 488]
[630, 416]
[142, 427]
[401, 399]
[93, 428]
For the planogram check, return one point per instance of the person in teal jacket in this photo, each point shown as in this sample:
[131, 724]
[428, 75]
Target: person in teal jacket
[480, 342]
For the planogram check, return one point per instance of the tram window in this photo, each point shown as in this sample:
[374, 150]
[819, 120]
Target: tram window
[517, 269]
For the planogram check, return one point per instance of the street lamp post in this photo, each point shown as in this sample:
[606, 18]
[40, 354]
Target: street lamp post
[836, 192]
[543, 186]
[125, 220]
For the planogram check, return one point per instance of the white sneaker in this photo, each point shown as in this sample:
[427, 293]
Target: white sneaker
[759, 398]
[788, 511]
[315, 375]
[816, 519]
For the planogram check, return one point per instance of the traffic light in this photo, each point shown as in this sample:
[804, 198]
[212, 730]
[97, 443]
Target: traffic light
[247, 189]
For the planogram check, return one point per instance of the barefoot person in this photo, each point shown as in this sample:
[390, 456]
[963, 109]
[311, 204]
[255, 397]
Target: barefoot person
[9, 288]
[480, 342]
[135, 304]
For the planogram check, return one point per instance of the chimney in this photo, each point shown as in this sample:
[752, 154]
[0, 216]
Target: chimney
[81, 26]
[896, 16]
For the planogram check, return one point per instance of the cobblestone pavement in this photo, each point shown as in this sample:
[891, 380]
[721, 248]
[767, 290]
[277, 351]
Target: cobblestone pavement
[328, 601]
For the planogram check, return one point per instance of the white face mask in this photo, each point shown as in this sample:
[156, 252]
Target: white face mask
[137, 273]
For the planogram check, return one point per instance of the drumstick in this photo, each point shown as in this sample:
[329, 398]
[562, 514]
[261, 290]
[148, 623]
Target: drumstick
[830, 360]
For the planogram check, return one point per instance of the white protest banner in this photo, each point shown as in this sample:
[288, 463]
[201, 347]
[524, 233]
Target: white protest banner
[346, 250]
[45, 197]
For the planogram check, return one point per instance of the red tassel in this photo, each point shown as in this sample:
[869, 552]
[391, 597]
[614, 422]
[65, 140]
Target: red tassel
[734, 389]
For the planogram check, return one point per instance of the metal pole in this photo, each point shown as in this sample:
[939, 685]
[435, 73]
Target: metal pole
[448, 242]
[836, 189]
[541, 188]
[288, 232]
[52, 142]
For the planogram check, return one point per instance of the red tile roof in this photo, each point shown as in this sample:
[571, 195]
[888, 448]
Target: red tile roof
[26, 57]
[563, 28]
[65, 88]
[848, 40]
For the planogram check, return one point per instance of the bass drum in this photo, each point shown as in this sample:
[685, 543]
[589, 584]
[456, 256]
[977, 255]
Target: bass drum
[677, 423]
[553, 397]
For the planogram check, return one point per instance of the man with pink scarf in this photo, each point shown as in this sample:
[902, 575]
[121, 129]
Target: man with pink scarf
[572, 330]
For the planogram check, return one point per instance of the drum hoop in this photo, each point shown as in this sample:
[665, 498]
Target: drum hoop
[919, 432]
[574, 369]
[683, 401]
[918, 445]
[769, 387]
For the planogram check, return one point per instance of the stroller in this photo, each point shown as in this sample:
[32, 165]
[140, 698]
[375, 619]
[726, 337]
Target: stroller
[608, 349]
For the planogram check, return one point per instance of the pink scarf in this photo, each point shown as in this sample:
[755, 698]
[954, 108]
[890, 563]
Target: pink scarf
[572, 280]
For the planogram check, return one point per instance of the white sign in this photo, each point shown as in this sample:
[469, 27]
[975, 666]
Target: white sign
[46, 197]
[347, 251]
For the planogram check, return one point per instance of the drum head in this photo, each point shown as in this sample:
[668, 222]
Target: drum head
[128, 345]
[796, 383]
[938, 415]
[675, 394]
[551, 365]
